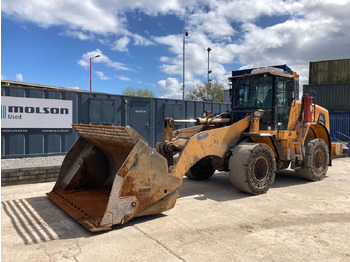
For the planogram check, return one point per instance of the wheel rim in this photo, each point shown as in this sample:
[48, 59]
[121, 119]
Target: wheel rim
[318, 160]
[260, 169]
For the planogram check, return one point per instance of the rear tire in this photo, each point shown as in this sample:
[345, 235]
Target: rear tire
[202, 170]
[252, 168]
[316, 160]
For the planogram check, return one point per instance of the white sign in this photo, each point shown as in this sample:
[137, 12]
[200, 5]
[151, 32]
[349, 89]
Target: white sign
[25, 113]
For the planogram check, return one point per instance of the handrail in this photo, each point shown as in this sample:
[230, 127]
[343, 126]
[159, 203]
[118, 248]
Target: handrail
[340, 141]
[347, 144]
[343, 135]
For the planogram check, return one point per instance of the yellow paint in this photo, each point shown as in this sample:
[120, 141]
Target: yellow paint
[336, 149]
[254, 127]
[213, 142]
[319, 110]
[294, 115]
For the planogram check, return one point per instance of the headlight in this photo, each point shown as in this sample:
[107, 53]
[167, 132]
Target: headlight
[258, 113]
[206, 114]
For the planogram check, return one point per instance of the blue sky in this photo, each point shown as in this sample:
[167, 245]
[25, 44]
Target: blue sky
[140, 43]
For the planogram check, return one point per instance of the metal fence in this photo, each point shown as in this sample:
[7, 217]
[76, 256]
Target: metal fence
[145, 115]
[339, 123]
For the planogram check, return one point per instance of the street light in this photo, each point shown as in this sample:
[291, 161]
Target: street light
[183, 64]
[209, 71]
[90, 68]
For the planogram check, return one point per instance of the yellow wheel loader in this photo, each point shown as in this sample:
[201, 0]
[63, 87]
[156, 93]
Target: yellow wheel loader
[111, 175]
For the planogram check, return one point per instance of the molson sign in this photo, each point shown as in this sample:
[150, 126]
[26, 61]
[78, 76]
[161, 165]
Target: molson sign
[19, 114]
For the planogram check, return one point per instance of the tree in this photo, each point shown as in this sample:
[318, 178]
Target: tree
[131, 91]
[215, 92]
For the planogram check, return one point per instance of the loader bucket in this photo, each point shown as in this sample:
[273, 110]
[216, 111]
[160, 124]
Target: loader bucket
[111, 175]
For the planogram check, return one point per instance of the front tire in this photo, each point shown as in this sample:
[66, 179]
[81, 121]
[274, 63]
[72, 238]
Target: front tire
[252, 168]
[316, 160]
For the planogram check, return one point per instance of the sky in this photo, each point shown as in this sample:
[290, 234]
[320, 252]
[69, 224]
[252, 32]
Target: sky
[140, 43]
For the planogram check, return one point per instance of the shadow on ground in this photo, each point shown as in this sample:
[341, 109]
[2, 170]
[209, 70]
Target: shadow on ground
[219, 187]
[38, 220]
[286, 178]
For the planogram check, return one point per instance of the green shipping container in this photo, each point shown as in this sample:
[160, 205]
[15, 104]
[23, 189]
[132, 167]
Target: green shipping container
[329, 72]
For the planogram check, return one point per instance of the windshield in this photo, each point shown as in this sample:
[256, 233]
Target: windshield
[253, 92]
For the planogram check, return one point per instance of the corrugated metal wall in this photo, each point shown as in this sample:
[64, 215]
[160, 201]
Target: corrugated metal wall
[335, 97]
[145, 115]
[329, 72]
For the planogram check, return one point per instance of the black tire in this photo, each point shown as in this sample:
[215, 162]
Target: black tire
[316, 160]
[202, 170]
[252, 168]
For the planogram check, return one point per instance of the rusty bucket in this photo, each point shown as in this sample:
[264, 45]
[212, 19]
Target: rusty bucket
[111, 175]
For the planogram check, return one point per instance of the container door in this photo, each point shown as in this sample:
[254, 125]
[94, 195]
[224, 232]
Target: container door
[140, 118]
[101, 111]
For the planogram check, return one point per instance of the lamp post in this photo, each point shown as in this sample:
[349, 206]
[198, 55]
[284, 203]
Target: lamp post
[183, 63]
[90, 68]
[209, 71]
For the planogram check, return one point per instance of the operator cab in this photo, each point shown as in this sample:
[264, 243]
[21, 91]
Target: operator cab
[270, 89]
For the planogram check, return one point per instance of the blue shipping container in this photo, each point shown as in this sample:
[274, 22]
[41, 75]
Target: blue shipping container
[144, 114]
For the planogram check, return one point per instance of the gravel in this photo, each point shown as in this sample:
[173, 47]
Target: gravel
[31, 162]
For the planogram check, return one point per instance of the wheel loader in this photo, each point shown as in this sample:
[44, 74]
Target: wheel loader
[112, 175]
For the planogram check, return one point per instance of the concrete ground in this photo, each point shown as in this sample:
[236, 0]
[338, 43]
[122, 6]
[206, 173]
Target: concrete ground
[295, 221]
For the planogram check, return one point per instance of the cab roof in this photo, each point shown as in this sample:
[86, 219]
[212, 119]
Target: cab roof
[272, 72]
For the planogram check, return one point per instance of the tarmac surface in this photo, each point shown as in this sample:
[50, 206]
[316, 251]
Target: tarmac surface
[295, 220]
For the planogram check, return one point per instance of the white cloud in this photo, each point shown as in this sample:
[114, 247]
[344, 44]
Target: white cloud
[123, 78]
[173, 41]
[3, 77]
[85, 60]
[121, 44]
[211, 23]
[102, 76]
[251, 10]
[92, 16]
[170, 88]
[19, 77]
[82, 18]
[196, 57]
[79, 35]
[74, 87]
[308, 31]
[141, 41]
[295, 33]
[317, 35]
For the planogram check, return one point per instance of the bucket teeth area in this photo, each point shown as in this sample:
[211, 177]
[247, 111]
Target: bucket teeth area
[75, 205]
[103, 132]
[118, 134]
